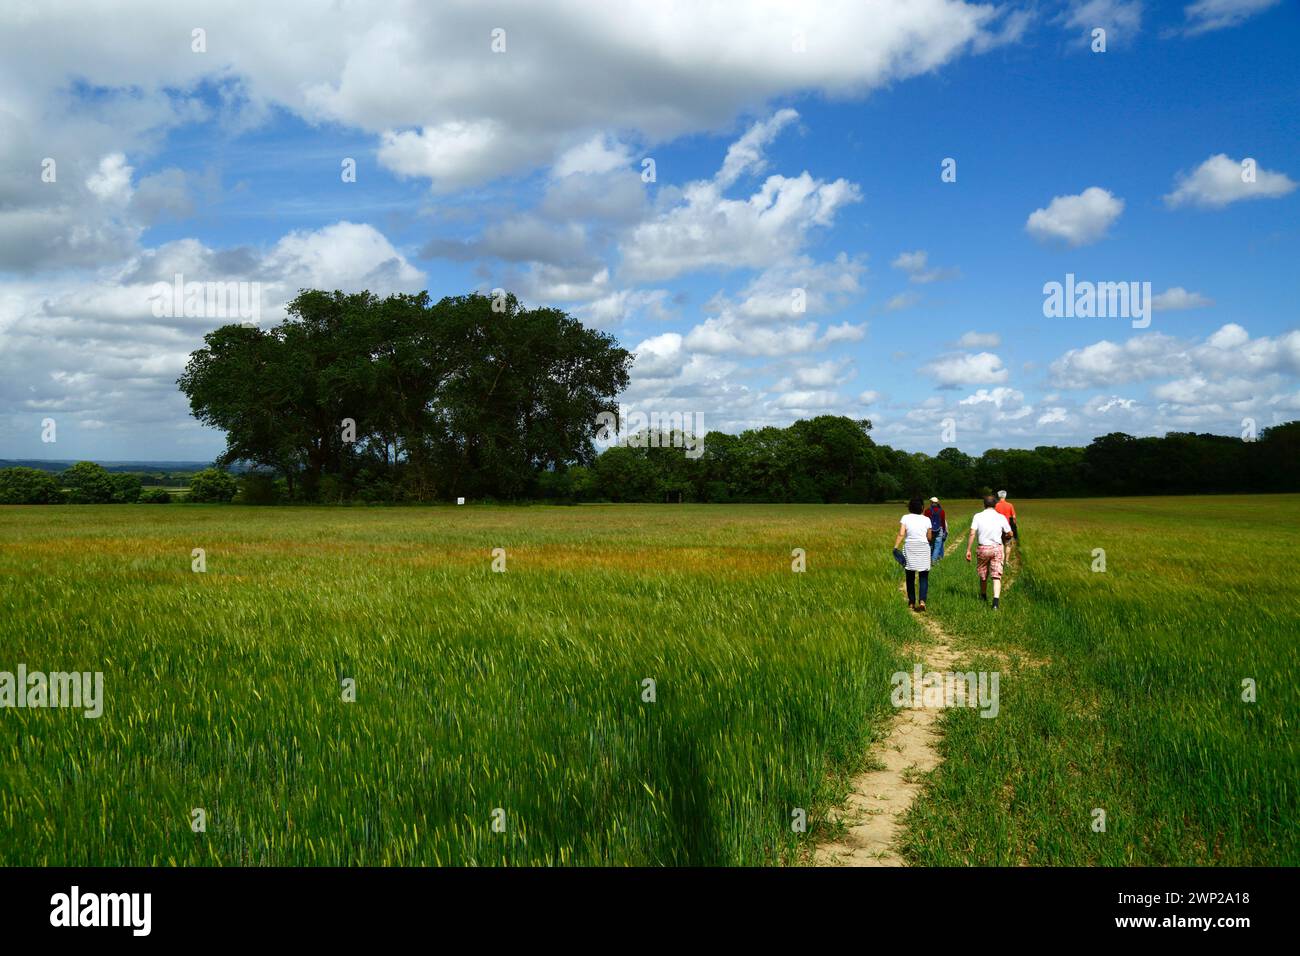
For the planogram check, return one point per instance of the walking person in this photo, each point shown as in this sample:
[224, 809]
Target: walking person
[992, 531]
[1008, 511]
[915, 533]
[939, 525]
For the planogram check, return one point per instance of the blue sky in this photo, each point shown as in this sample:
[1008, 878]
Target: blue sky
[777, 169]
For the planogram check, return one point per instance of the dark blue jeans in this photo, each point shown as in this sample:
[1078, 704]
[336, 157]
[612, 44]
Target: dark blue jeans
[911, 585]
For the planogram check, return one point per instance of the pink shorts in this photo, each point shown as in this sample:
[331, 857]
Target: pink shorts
[990, 561]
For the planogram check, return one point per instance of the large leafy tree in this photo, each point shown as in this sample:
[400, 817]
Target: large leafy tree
[88, 484]
[456, 397]
[27, 486]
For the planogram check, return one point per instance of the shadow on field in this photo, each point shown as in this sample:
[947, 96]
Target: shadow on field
[694, 836]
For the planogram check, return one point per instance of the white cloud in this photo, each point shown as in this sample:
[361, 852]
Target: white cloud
[819, 375]
[1231, 350]
[111, 182]
[1206, 15]
[346, 256]
[1178, 298]
[745, 155]
[1219, 181]
[1104, 406]
[725, 334]
[425, 79]
[457, 153]
[773, 294]
[1198, 390]
[844, 332]
[1227, 353]
[94, 351]
[659, 356]
[618, 307]
[705, 230]
[549, 283]
[617, 196]
[1107, 363]
[808, 400]
[914, 264]
[979, 340]
[598, 155]
[1000, 397]
[966, 368]
[1076, 220]
[911, 261]
[1121, 19]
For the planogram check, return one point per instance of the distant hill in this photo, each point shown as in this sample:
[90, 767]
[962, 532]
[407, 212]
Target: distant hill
[55, 466]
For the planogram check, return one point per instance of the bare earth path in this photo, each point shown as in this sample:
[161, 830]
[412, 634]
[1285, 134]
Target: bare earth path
[879, 799]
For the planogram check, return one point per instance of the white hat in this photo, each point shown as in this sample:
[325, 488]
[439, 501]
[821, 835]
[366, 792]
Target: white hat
[935, 500]
[1002, 494]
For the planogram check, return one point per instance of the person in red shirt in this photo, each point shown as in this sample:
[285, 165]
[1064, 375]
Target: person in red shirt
[1008, 511]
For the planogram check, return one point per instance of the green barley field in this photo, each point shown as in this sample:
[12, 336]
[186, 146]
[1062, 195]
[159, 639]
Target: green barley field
[507, 718]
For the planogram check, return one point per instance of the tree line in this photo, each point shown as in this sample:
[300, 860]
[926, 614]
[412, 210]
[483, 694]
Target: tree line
[828, 459]
[833, 459]
[88, 483]
[402, 399]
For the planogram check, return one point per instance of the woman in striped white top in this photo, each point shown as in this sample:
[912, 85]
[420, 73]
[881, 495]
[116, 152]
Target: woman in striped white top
[916, 533]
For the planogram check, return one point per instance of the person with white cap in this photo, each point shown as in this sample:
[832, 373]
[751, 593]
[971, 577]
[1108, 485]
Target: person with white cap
[1008, 511]
[939, 524]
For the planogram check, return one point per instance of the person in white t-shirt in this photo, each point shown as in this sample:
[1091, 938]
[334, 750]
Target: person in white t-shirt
[990, 530]
[916, 534]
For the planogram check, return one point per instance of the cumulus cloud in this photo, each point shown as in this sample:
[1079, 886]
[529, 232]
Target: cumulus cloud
[598, 155]
[1076, 220]
[1108, 363]
[727, 334]
[346, 255]
[84, 221]
[111, 182]
[459, 153]
[96, 351]
[706, 230]
[1227, 353]
[1220, 180]
[784, 292]
[1000, 397]
[822, 375]
[966, 368]
[425, 78]
[620, 306]
[1178, 298]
